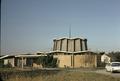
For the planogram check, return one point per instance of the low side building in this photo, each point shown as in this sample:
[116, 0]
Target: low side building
[105, 58]
[28, 60]
[8, 59]
[22, 60]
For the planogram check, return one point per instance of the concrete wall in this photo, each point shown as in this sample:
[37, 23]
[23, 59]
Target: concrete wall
[76, 60]
[77, 45]
[37, 65]
[9, 60]
[64, 45]
[58, 44]
[70, 45]
[63, 60]
[85, 61]
[105, 58]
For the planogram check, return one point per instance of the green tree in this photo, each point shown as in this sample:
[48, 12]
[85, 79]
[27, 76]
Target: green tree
[47, 61]
[1, 63]
[115, 56]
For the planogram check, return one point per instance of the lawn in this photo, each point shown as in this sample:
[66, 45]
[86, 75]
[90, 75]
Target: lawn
[66, 76]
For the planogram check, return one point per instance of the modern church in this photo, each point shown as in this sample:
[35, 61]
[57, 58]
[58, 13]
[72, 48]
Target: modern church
[73, 53]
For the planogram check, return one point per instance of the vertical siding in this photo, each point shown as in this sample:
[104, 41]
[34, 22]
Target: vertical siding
[70, 45]
[58, 44]
[64, 45]
[9, 60]
[76, 61]
[83, 45]
[54, 45]
[85, 60]
[64, 60]
[77, 45]
[85, 41]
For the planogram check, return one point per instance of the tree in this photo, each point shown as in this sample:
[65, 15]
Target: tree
[115, 56]
[1, 63]
[47, 61]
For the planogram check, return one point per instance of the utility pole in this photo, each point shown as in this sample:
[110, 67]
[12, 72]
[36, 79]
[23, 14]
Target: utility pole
[70, 31]
[0, 27]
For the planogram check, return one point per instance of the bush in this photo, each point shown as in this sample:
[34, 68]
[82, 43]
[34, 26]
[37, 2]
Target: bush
[1, 63]
[115, 56]
[47, 61]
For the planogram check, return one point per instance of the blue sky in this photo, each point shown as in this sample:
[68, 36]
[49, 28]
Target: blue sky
[29, 26]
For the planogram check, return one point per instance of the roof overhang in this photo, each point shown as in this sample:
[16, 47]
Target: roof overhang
[7, 56]
[29, 55]
[57, 51]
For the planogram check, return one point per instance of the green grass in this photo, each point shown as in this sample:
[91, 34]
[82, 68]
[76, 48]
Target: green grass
[67, 76]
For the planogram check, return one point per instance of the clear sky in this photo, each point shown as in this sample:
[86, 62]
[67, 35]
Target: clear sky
[29, 26]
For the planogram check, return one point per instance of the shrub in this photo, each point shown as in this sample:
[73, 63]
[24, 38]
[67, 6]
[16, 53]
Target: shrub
[47, 61]
[1, 63]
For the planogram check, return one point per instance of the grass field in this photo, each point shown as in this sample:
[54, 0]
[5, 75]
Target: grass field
[66, 76]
